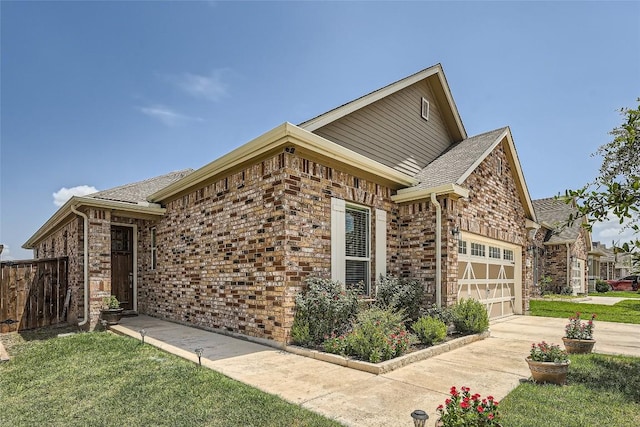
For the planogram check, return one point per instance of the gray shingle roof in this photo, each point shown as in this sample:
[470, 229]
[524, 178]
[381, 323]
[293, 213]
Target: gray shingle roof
[455, 162]
[554, 213]
[137, 192]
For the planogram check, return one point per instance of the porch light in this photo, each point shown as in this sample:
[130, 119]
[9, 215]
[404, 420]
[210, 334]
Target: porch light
[419, 418]
[199, 354]
[142, 334]
[455, 232]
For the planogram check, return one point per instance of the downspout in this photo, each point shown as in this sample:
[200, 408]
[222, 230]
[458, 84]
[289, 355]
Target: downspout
[438, 250]
[86, 265]
[569, 267]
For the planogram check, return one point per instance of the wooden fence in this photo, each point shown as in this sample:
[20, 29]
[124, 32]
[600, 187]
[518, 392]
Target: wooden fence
[33, 293]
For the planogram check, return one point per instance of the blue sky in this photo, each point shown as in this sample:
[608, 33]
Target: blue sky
[101, 94]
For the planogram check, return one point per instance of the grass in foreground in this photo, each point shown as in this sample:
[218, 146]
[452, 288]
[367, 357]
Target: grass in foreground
[602, 391]
[627, 311]
[101, 379]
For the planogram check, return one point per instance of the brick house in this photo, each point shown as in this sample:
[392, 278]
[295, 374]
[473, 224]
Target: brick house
[561, 252]
[387, 184]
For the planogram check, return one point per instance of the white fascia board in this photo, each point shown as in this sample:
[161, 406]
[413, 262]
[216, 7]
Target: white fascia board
[408, 194]
[286, 133]
[531, 225]
[61, 214]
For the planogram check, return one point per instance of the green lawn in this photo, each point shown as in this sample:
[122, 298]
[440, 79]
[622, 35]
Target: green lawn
[601, 391]
[100, 379]
[619, 294]
[626, 311]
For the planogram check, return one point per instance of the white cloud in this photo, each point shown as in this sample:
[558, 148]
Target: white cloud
[210, 87]
[61, 196]
[167, 115]
[611, 230]
[5, 255]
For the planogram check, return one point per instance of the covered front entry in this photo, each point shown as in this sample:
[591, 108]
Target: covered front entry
[122, 262]
[490, 271]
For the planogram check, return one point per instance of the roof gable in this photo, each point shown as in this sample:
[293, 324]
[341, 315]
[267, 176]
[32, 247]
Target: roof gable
[453, 167]
[435, 76]
[553, 214]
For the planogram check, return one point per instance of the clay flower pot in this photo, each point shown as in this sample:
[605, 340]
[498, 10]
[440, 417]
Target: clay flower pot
[574, 346]
[549, 372]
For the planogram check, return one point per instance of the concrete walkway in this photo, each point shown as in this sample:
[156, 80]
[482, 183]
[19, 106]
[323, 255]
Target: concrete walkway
[493, 366]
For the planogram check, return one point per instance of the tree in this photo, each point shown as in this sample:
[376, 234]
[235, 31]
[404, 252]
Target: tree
[616, 191]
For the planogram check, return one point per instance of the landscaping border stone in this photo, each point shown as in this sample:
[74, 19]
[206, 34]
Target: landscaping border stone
[388, 365]
[4, 356]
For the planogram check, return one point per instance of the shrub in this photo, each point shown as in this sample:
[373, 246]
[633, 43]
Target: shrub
[601, 286]
[400, 294]
[430, 330]
[543, 352]
[566, 290]
[378, 334]
[545, 285]
[324, 309]
[470, 316]
[336, 345]
[300, 331]
[441, 313]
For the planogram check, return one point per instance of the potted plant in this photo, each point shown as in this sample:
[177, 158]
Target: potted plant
[111, 311]
[548, 363]
[578, 337]
[465, 409]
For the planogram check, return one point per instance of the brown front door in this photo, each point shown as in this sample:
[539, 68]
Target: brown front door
[122, 265]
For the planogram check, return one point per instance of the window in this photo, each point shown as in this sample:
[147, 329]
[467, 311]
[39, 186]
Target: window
[499, 166]
[424, 110]
[477, 249]
[494, 252]
[154, 249]
[462, 247]
[508, 254]
[357, 240]
[352, 244]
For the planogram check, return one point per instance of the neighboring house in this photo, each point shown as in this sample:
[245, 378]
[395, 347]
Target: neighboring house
[387, 184]
[560, 250]
[613, 265]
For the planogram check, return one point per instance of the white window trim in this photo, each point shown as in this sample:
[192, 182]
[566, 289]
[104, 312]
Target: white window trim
[381, 244]
[424, 108]
[338, 242]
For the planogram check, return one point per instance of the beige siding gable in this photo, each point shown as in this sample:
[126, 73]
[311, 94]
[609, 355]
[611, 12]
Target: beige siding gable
[392, 131]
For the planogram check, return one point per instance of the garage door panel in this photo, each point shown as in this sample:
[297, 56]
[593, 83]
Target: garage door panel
[490, 276]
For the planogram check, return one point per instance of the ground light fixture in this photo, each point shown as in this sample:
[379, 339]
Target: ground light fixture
[419, 418]
[199, 353]
[142, 334]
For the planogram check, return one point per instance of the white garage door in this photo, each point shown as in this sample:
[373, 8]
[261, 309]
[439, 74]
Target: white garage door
[490, 271]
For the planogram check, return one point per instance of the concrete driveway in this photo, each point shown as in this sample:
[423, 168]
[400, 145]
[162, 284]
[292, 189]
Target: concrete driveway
[493, 366]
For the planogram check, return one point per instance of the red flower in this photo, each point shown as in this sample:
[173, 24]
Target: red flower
[464, 405]
[490, 416]
[480, 409]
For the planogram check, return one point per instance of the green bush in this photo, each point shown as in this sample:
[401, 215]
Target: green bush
[601, 286]
[470, 316]
[545, 285]
[429, 330]
[300, 331]
[323, 310]
[378, 335]
[441, 313]
[400, 294]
